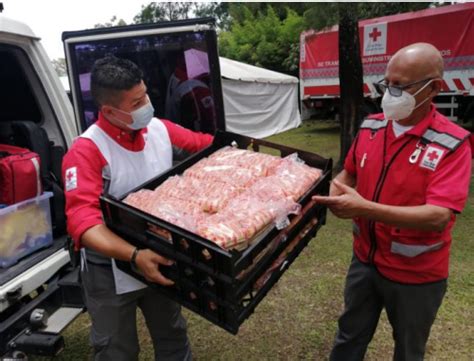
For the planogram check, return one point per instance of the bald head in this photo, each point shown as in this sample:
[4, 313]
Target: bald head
[418, 61]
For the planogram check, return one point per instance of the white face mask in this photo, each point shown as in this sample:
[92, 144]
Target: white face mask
[397, 108]
[141, 117]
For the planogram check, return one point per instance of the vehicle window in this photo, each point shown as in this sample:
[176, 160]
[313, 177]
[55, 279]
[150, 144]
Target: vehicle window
[17, 101]
[176, 72]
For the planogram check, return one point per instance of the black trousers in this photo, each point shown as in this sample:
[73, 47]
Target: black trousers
[411, 310]
[114, 324]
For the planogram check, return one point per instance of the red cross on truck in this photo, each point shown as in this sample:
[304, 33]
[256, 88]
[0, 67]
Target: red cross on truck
[375, 34]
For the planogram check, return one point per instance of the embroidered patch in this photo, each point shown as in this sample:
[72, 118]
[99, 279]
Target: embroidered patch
[71, 179]
[431, 158]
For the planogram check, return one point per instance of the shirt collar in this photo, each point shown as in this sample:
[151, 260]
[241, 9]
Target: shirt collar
[420, 128]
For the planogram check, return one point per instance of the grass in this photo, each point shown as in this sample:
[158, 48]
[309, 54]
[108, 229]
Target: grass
[298, 318]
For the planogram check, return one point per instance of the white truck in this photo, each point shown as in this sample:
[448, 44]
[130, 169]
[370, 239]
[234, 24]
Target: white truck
[36, 113]
[40, 294]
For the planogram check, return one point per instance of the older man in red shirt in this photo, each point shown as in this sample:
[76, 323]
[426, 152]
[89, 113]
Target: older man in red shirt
[410, 168]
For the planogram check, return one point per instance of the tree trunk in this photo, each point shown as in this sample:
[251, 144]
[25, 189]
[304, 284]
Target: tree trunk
[350, 76]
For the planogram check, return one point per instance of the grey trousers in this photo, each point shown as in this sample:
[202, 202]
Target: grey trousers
[411, 310]
[114, 325]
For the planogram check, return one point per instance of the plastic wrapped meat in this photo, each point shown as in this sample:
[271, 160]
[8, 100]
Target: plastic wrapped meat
[260, 163]
[210, 196]
[179, 212]
[143, 199]
[244, 217]
[235, 175]
[234, 226]
[245, 191]
[295, 176]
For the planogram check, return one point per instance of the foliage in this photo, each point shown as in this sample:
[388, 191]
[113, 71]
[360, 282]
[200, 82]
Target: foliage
[350, 76]
[218, 10]
[112, 22]
[59, 66]
[322, 15]
[263, 39]
[159, 11]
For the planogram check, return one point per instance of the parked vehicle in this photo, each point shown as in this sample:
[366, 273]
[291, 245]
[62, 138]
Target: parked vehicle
[449, 28]
[39, 289]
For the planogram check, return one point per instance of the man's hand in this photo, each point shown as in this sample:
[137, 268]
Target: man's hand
[148, 262]
[343, 201]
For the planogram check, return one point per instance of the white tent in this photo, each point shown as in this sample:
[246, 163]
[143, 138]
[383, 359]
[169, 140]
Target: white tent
[258, 102]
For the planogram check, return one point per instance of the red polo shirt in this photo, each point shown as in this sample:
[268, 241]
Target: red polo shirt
[86, 161]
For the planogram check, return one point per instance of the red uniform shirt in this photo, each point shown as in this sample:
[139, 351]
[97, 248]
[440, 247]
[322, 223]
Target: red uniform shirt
[86, 161]
[438, 175]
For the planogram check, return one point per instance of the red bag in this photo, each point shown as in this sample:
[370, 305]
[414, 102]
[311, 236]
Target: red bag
[20, 176]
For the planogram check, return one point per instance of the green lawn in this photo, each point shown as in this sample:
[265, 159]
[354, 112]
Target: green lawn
[297, 320]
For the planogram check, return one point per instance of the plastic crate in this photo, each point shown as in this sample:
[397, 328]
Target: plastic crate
[213, 282]
[25, 228]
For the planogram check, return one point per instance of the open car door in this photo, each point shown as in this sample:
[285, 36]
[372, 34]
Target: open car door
[179, 61]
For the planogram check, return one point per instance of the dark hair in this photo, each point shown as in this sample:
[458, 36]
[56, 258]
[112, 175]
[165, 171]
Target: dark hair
[110, 76]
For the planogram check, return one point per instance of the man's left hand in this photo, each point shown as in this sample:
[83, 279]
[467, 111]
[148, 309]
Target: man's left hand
[348, 204]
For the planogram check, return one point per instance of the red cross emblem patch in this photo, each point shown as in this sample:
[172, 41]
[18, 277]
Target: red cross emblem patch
[431, 158]
[71, 179]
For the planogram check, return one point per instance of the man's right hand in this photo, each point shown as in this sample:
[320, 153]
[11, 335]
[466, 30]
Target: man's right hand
[148, 262]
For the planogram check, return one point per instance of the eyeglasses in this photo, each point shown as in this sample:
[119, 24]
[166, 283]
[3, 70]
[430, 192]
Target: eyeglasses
[395, 90]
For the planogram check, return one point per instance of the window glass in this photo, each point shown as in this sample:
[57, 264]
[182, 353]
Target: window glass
[176, 72]
[17, 101]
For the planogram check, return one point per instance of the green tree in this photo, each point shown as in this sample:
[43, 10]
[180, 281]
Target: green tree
[263, 39]
[322, 15]
[59, 66]
[350, 76]
[112, 22]
[218, 10]
[160, 11]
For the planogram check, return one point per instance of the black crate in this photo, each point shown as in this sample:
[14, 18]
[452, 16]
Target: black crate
[215, 283]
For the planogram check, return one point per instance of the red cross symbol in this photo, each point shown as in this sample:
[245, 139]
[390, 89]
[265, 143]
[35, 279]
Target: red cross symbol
[433, 156]
[375, 34]
[69, 176]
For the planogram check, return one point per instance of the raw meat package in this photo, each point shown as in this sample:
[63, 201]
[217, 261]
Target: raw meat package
[231, 196]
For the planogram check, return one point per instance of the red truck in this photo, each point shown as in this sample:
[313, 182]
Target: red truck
[450, 28]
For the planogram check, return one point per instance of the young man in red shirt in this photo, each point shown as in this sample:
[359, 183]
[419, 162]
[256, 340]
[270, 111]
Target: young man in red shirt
[125, 147]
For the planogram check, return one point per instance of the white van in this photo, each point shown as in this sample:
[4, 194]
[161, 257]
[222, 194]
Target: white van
[40, 293]
[36, 113]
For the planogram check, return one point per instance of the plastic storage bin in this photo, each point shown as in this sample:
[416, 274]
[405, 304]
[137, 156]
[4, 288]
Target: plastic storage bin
[25, 227]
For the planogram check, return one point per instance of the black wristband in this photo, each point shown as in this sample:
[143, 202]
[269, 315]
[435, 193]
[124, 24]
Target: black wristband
[134, 257]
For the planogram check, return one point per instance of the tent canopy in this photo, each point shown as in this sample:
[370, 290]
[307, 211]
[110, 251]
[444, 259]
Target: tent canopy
[257, 102]
[231, 69]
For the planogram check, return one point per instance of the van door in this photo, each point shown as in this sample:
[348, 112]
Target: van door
[179, 61]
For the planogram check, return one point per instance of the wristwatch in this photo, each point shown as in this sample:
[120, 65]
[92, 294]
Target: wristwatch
[134, 259]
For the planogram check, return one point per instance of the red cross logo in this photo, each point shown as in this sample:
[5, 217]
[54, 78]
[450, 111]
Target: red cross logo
[69, 176]
[433, 156]
[375, 34]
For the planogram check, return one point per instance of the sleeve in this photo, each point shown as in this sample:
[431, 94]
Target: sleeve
[82, 171]
[186, 139]
[350, 161]
[449, 184]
